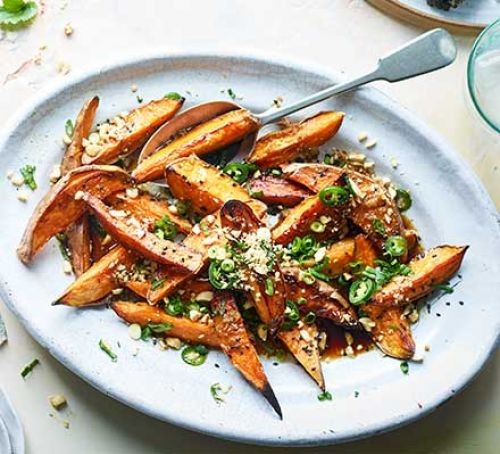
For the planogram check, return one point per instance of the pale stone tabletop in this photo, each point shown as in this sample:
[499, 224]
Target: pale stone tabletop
[344, 34]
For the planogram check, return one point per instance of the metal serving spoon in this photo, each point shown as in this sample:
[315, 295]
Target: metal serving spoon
[426, 53]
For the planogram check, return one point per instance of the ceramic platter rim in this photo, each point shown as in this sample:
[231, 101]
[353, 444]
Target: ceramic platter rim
[222, 421]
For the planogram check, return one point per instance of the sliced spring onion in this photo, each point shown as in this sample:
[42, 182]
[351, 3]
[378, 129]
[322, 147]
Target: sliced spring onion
[106, 348]
[69, 128]
[307, 278]
[404, 367]
[239, 171]
[269, 287]
[334, 195]
[310, 318]
[396, 246]
[194, 355]
[361, 290]
[165, 228]
[227, 265]
[403, 200]
[29, 367]
[317, 227]
[325, 395]
[173, 95]
[174, 306]
[378, 226]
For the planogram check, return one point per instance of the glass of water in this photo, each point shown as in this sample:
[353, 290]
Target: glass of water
[483, 76]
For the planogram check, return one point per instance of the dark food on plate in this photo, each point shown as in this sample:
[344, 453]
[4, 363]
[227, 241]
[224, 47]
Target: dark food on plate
[444, 4]
[282, 252]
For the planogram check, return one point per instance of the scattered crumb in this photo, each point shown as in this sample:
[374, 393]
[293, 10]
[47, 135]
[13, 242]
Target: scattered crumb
[63, 68]
[68, 30]
[370, 144]
[58, 401]
[17, 180]
[22, 196]
[133, 88]
[10, 174]
[278, 101]
[362, 136]
[394, 163]
[67, 267]
[55, 174]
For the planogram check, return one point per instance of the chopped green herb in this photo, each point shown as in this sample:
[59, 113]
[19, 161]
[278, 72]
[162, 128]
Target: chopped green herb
[17, 13]
[404, 367]
[356, 393]
[325, 395]
[105, 347]
[165, 228]
[256, 194]
[62, 241]
[29, 367]
[269, 287]
[378, 226]
[292, 315]
[194, 355]
[174, 305]
[139, 99]
[173, 95]
[69, 128]
[216, 391]
[239, 171]
[156, 283]
[231, 93]
[28, 174]
[445, 288]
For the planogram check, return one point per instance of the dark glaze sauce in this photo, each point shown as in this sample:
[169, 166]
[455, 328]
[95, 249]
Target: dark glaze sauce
[336, 341]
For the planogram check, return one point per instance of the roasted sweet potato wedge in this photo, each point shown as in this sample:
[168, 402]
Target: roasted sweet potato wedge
[285, 145]
[339, 255]
[148, 209]
[59, 209]
[277, 191]
[83, 125]
[129, 131]
[237, 216]
[129, 231]
[235, 343]
[207, 137]
[297, 221]
[98, 281]
[206, 187]
[392, 332]
[321, 298]
[183, 328]
[370, 203]
[303, 345]
[438, 265]
[78, 234]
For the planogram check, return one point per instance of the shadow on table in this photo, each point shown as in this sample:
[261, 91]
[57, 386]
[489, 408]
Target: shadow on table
[445, 430]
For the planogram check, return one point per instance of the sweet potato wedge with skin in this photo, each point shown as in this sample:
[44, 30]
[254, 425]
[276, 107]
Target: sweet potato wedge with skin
[183, 328]
[392, 331]
[236, 215]
[297, 220]
[206, 187]
[98, 281]
[59, 209]
[305, 351]
[375, 204]
[277, 191]
[148, 209]
[364, 250]
[235, 343]
[141, 123]
[83, 125]
[205, 138]
[132, 235]
[438, 265]
[78, 234]
[282, 146]
[321, 298]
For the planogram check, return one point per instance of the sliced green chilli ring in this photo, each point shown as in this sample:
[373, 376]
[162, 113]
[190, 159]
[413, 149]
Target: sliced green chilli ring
[194, 355]
[361, 290]
[318, 227]
[239, 171]
[396, 246]
[217, 278]
[334, 195]
[403, 200]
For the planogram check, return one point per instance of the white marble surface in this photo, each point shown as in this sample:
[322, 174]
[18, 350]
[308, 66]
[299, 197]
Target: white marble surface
[346, 34]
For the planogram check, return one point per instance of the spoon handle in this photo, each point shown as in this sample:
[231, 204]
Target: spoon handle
[428, 52]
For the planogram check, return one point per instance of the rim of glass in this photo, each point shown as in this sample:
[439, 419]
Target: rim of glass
[470, 76]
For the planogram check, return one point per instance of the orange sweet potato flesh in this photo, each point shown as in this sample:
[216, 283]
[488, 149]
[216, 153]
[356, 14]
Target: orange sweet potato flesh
[59, 209]
[437, 266]
[321, 298]
[132, 235]
[78, 234]
[236, 215]
[297, 220]
[183, 328]
[278, 191]
[392, 331]
[207, 137]
[142, 122]
[206, 187]
[236, 344]
[285, 145]
[98, 281]
[148, 209]
[375, 204]
[339, 255]
[306, 352]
